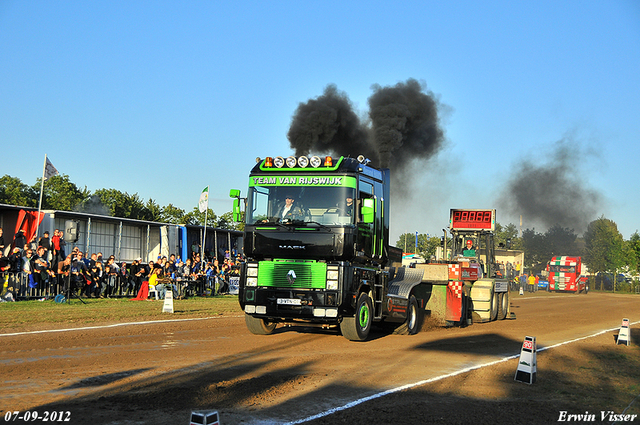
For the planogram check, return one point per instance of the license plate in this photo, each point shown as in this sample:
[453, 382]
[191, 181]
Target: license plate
[289, 301]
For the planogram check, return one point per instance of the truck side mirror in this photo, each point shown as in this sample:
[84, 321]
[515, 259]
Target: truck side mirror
[236, 210]
[367, 210]
[235, 193]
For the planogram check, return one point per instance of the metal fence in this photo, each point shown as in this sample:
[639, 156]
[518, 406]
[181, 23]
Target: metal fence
[22, 287]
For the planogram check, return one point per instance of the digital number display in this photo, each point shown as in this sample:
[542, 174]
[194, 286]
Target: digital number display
[473, 219]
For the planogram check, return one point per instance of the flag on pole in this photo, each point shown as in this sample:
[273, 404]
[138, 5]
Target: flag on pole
[49, 170]
[203, 204]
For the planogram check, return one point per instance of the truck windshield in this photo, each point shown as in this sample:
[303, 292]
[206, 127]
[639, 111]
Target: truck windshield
[296, 204]
[562, 269]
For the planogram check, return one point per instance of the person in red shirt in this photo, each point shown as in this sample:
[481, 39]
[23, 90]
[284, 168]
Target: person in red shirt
[55, 247]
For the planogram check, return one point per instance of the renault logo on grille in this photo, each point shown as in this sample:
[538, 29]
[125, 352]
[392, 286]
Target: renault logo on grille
[291, 277]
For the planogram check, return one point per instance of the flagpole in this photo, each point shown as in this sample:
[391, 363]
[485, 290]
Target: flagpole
[44, 167]
[206, 213]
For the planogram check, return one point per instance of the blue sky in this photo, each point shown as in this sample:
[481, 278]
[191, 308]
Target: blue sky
[163, 98]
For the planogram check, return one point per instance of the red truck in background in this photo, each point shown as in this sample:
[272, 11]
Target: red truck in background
[565, 274]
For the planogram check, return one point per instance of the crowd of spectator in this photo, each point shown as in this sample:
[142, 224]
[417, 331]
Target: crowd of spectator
[44, 264]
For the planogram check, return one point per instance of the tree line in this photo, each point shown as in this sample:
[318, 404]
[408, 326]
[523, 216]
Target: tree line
[602, 246]
[62, 194]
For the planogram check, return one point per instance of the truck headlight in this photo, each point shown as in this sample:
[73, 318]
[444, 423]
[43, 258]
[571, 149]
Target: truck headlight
[252, 281]
[252, 271]
[332, 274]
[332, 284]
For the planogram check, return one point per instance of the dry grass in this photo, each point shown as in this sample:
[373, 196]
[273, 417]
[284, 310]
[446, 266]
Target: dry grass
[34, 315]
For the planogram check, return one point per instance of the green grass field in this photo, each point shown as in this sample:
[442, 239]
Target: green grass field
[33, 315]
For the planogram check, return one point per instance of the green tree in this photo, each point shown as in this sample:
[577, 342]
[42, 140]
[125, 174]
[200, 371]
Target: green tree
[427, 245]
[560, 241]
[508, 236]
[536, 253]
[14, 192]
[634, 251]
[153, 211]
[121, 204]
[196, 217]
[60, 193]
[172, 214]
[604, 250]
[225, 221]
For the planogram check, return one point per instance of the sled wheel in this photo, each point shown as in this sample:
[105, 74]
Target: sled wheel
[259, 326]
[357, 328]
[494, 306]
[503, 306]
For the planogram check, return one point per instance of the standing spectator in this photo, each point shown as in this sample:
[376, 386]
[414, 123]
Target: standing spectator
[124, 279]
[63, 244]
[19, 241]
[531, 280]
[33, 244]
[1, 243]
[92, 288]
[15, 259]
[63, 269]
[45, 242]
[78, 271]
[42, 271]
[523, 281]
[26, 269]
[55, 246]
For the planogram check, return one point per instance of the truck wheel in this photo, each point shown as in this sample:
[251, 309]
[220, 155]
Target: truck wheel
[357, 328]
[495, 301]
[413, 323]
[503, 306]
[586, 288]
[259, 326]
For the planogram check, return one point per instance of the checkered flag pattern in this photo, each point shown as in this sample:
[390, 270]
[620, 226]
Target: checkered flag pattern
[456, 288]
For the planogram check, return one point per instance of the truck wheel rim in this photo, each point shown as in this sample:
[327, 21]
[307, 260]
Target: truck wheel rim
[364, 316]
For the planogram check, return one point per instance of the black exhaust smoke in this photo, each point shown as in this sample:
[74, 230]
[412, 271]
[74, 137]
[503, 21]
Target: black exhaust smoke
[403, 126]
[552, 193]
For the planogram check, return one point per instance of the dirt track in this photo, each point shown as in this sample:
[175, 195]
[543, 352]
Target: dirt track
[158, 373]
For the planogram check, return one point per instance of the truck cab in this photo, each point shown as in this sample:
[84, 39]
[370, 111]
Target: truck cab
[316, 232]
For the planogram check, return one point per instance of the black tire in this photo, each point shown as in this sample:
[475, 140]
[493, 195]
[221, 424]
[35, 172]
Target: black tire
[503, 306]
[494, 306]
[357, 328]
[414, 319]
[259, 326]
[586, 288]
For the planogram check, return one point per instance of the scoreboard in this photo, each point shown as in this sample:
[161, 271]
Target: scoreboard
[473, 220]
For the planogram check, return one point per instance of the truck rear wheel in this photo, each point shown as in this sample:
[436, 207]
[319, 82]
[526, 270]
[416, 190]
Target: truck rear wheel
[357, 328]
[259, 326]
[414, 322]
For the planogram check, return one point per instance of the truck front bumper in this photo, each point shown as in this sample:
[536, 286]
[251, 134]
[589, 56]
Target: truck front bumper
[280, 304]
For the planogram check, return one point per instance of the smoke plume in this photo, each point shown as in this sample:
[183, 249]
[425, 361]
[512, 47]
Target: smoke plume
[403, 126]
[328, 125]
[552, 193]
